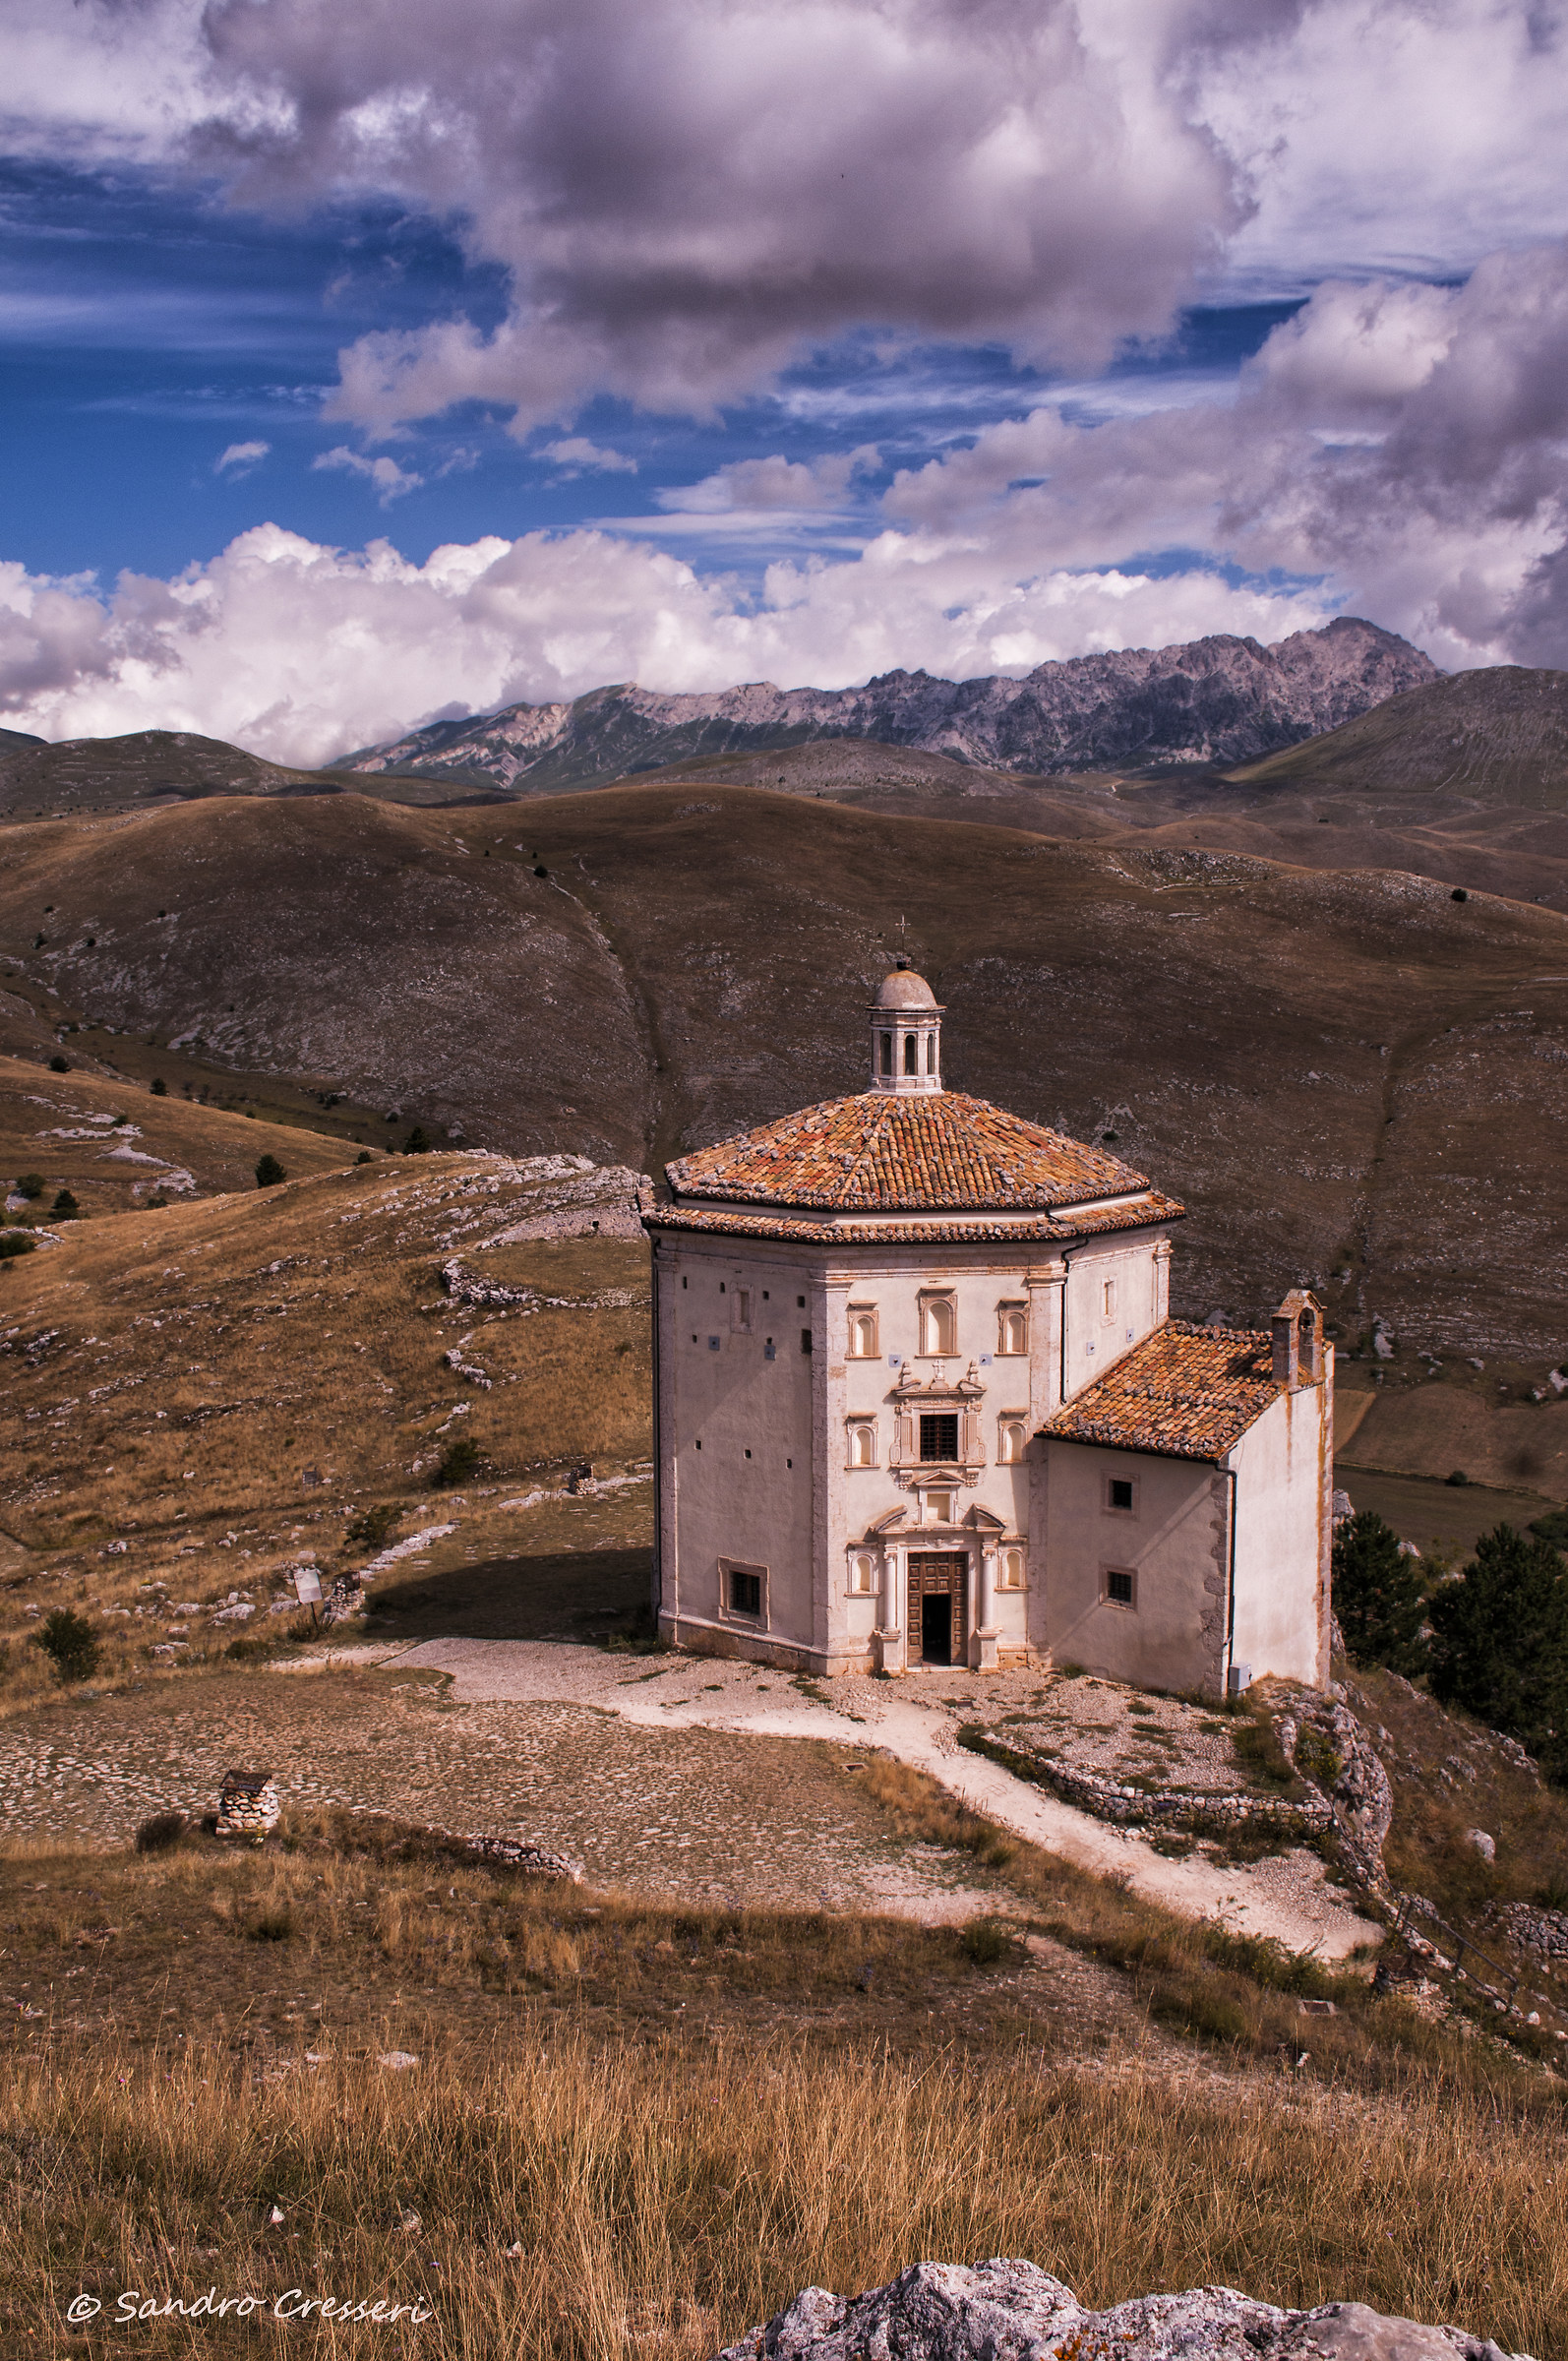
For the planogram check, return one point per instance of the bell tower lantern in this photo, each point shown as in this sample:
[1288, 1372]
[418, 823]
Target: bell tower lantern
[906, 1035]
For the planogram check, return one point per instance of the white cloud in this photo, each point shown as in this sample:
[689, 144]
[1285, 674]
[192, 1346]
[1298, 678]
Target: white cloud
[773, 486]
[390, 481]
[300, 652]
[577, 455]
[1395, 451]
[242, 458]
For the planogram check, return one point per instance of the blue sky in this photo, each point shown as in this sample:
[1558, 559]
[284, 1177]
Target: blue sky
[148, 327]
[360, 367]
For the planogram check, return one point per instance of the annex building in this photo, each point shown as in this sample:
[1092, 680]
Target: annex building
[919, 1401]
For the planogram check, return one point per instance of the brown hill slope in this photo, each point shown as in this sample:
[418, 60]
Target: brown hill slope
[1513, 847]
[1339, 1072]
[113, 1144]
[337, 937]
[1497, 736]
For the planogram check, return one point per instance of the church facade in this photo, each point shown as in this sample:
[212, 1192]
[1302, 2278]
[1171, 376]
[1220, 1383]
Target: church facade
[920, 1402]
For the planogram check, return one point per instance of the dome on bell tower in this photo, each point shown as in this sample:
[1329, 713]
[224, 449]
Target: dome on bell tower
[906, 1035]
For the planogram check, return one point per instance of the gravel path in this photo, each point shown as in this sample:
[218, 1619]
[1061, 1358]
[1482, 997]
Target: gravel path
[1285, 1895]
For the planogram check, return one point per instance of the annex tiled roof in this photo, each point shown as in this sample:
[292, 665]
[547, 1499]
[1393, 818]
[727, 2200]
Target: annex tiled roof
[879, 1153]
[1183, 1393]
[1130, 1214]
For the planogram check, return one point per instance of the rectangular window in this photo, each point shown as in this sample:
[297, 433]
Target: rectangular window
[741, 1310]
[939, 1434]
[743, 1589]
[1108, 1299]
[1121, 1494]
[806, 1340]
[1121, 1588]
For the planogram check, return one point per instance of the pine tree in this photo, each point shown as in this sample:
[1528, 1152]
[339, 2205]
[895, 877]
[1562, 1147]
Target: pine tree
[1500, 1643]
[1378, 1596]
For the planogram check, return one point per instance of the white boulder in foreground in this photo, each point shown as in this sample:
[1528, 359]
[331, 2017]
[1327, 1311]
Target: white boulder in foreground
[1008, 2311]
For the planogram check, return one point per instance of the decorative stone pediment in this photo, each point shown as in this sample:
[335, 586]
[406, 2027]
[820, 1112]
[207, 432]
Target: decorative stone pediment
[918, 1407]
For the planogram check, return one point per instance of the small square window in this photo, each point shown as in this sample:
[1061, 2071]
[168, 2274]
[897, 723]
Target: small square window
[1121, 1588]
[746, 1592]
[800, 1303]
[1118, 1492]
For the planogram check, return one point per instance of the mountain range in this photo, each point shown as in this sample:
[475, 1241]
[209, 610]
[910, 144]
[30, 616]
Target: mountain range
[1215, 700]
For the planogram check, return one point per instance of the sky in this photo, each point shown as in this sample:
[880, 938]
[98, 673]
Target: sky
[364, 367]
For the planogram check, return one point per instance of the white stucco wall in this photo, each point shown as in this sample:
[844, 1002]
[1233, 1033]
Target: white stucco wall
[1174, 1543]
[800, 1520]
[1283, 1481]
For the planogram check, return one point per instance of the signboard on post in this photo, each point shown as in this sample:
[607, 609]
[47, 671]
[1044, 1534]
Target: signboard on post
[308, 1586]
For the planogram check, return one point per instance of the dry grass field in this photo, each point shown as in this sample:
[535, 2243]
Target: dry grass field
[624, 2130]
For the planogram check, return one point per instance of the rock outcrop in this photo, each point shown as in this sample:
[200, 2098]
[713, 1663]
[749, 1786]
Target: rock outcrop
[1328, 1748]
[1012, 2311]
[1220, 699]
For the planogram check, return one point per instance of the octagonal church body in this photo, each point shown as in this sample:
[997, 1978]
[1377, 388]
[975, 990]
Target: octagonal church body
[920, 1402]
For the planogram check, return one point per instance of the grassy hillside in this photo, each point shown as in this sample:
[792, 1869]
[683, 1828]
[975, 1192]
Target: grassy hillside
[113, 1144]
[1351, 1078]
[1499, 735]
[215, 1385]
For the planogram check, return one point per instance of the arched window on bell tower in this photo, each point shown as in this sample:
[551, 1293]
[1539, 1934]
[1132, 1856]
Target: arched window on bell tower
[906, 1035]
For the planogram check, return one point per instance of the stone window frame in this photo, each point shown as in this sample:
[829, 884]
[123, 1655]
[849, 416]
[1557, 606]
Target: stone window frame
[1119, 1509]
[854, 1348]
[743, 1300]
[861, 1574]
[856, 1424]
[730, 1614]
[928, 1303]
[1127, 1605]
[1008, 1312]
[1007, 1421]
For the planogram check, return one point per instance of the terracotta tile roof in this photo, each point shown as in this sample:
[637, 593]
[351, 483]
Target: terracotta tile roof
[1132, 1214]
[879, 1153]
[1183, 1393]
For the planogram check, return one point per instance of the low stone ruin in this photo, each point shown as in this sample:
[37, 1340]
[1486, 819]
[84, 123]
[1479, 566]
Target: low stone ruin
[248, 1805]
[1011, 2311]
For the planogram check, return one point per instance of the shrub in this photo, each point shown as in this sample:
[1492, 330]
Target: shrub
[372, 1526]
[1378, 1596]
[1553, 1528]
[364, 1156]
[457, 1465]
[1458, 1476]
[59, 1065]
[1500, 1643]
[17, 1241]
[417, 1143]
[269, 1171]
[66, 1206]
[32, 1185]
[160, 1088]
[983, 1942]
[70, 1639]
[162, 1833]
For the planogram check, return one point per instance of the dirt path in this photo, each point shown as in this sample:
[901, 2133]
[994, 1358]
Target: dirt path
[1286, 1896]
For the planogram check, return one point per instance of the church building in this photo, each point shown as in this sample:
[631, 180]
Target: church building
[920, 1401]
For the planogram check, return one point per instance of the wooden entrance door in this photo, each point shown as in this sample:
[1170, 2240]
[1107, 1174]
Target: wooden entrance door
[937, 1580]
